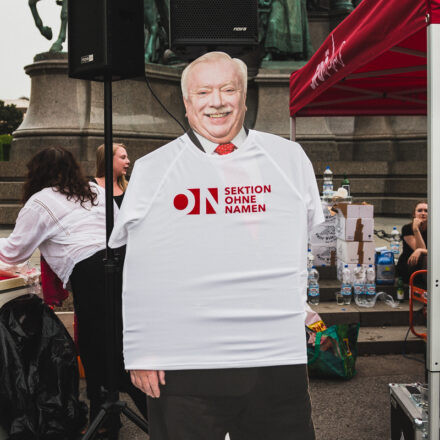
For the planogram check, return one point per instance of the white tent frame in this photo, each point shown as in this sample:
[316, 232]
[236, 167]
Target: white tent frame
[433, 119]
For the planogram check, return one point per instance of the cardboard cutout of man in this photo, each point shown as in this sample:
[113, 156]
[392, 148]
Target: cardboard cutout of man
[216, 225]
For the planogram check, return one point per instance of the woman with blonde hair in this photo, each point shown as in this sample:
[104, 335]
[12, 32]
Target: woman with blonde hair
[120, 167]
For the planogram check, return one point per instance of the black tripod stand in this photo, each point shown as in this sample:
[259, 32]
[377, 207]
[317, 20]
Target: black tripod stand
[113, 407]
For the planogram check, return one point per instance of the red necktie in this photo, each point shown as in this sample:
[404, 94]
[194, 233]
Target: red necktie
[225, 149]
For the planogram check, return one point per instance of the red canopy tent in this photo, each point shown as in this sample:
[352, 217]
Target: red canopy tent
[384, 59]
[373, 63]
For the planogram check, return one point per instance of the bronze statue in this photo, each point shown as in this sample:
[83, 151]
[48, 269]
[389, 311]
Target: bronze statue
[156, 23]
[46, 31]
[287, 34]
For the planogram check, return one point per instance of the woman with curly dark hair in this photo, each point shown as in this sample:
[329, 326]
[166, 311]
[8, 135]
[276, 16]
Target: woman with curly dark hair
[64, 216]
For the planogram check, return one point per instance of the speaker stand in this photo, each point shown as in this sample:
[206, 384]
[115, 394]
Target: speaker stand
[112, 407]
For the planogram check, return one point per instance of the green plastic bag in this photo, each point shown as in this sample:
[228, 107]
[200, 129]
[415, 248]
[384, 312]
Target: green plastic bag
[335, 355]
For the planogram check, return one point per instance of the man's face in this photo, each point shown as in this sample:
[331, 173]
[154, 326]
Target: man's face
[215, 105]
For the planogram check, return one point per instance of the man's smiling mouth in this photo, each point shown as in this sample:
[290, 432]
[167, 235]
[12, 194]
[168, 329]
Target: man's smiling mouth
[218, 115]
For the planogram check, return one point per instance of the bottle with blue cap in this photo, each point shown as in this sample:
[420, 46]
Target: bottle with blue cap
[327, 186]
[370, 287]
[359, 285]
[346, 285]
[395, 243]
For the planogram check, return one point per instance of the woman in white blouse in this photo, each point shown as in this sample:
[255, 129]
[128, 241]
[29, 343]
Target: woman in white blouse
[64, 216]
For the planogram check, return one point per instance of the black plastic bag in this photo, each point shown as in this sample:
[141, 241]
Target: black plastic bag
[38, 374]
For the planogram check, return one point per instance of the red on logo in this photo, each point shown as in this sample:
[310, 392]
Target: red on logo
[193, 200]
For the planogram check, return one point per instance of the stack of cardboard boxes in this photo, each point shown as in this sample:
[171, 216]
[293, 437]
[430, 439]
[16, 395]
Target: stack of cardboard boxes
[354, 230]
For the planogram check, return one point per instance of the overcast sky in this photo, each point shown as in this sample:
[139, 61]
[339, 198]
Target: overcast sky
[20, 40]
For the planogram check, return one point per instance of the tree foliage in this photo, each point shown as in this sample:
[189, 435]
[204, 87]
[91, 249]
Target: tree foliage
[10, 118]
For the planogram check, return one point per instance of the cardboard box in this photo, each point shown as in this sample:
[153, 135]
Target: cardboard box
[354, 252]
[340, 265]
[325, 255]
[354, 229]
[351, 210]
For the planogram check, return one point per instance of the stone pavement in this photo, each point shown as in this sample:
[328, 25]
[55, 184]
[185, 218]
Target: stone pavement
[358, 409]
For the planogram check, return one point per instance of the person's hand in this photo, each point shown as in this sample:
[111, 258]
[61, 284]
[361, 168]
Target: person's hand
[414, 257]
[326, 343]
[148, 381]
[416, 224]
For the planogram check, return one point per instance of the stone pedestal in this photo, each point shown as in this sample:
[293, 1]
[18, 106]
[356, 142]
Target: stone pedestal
[70, 112]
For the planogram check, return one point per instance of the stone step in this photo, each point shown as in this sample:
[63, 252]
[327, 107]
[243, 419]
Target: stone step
[389, 340]
[365, 150]
[380, 315]
[10, 191]
[414, 149]
[17, 171]
[384, 186]
[372, 168]
[13, 170]
[9, 213]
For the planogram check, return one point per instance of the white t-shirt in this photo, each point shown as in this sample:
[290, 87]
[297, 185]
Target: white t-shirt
[65, 231]
[215, 270]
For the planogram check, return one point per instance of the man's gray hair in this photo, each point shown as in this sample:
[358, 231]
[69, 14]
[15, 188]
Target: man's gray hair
[213, 56]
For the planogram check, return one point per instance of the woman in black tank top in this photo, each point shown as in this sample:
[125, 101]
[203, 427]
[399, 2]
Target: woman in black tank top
[120, 167]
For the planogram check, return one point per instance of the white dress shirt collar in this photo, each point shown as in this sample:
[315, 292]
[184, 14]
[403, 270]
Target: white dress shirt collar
[209, 146]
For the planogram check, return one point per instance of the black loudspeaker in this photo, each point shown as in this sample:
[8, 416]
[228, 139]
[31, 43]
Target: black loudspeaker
[106, 39]
[202, 25]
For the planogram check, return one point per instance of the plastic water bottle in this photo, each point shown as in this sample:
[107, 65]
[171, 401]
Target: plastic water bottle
[310, 259]
[346, 285]
[359, 284]
[370, 286]
[395, 242]
[327, 187]
[313, 286]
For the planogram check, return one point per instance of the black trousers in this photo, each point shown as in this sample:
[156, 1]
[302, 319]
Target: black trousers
[269, 403]
[88, 281]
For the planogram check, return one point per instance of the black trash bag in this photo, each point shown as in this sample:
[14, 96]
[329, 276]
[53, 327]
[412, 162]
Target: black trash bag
[38, 374]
